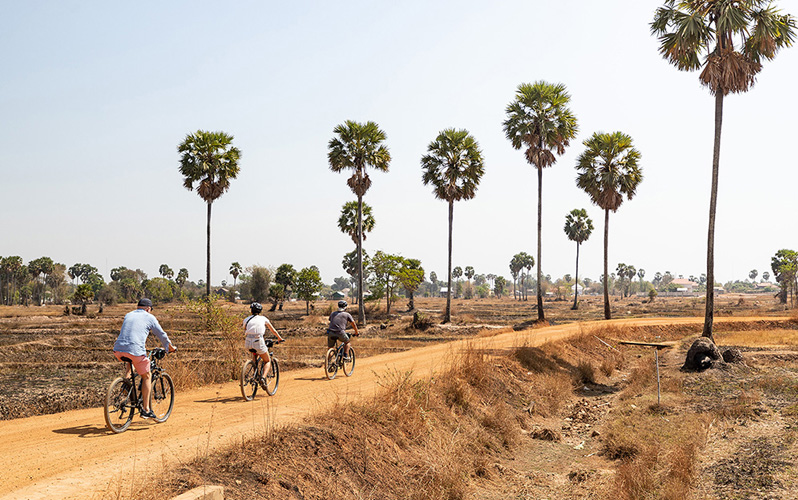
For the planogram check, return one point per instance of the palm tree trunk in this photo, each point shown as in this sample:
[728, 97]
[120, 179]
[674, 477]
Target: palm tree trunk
[541, 316]
[361, 312]
[607, 314]
[208, 262]
[713, 200]
[576, 280]
[447, 317]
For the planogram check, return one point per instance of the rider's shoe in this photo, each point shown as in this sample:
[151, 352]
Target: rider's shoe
[147, 414]
[347, 359]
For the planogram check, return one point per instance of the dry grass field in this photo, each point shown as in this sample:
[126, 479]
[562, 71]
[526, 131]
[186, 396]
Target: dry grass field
[573, 419]
[566, 420]
[50, 362]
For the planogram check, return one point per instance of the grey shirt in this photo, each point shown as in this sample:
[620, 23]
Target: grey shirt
[338, 322]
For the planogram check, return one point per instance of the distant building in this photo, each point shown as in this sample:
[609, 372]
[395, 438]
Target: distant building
[684, 286]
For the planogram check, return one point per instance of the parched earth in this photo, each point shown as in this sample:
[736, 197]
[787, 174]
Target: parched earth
[68, 455]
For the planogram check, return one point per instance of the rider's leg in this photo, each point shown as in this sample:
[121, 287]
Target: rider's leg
[267, 363]
[346, 348]
[146, 387]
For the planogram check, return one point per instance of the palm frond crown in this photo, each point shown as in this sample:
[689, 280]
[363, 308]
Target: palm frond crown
[608, 169]
[209, 160]
[453, 165]
[358, 146]
[729, 39]
[539, 120]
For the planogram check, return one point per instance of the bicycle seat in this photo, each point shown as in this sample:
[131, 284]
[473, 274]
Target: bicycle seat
[125, 358]
[253, 351]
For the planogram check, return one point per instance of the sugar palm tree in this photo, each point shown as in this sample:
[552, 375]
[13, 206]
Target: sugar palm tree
[453, 166]
[578, 227]
[235, 271]
[347, 222]
[608, 170]
[356, 147]
[540, 121]
[209, 160]
[729, 40]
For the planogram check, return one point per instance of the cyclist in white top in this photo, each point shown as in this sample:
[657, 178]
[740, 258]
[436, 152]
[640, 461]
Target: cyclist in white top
[255, 326]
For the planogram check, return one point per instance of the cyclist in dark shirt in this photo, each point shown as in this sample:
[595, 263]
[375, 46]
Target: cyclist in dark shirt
[339, 320]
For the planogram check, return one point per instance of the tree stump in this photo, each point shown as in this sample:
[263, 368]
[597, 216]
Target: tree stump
[703, 354]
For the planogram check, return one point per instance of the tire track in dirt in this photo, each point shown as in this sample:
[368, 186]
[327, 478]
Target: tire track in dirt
[71, 455]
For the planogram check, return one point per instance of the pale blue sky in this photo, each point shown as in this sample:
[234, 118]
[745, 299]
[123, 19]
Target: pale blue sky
[96, 96]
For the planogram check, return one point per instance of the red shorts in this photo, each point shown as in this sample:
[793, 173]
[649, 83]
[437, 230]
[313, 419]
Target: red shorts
[140, 363]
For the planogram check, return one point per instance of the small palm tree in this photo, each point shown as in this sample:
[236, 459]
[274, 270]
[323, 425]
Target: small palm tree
[235, 271]
[540, 121]
[608, 170]
[357, 147]
[453, 166]
[347, 222]
[729, 40]
[166, 271]
[578, 227]
[209, 160]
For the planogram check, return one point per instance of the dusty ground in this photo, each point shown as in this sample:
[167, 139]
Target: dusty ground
[51, 363]
[751, 443]
[67, 454]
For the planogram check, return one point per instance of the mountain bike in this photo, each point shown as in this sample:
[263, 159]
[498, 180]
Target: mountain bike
[123, 398]
[335, 359]
[252, 375]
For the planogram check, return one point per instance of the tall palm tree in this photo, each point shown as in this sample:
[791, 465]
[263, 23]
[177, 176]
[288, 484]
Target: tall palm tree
[357, 147]
[540, 121]
[578, 227]
[729, 40]
[453, 166]
[209, 160]
[608, 170]
[347, 222]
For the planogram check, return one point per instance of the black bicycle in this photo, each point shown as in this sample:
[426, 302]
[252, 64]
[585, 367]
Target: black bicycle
[123, 399]
[252, 375]
[335, 359]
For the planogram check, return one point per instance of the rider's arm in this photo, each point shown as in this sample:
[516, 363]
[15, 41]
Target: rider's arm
[355, 327]
[155, 328]
[268, 324]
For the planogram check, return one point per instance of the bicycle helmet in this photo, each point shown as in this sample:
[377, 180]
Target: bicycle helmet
[256, 308]
[342, 304]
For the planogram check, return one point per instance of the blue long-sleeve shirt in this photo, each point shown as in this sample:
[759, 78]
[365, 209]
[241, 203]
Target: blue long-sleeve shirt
[135, 329]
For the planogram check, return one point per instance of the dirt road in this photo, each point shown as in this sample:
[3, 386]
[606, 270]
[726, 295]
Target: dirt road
[72, 455]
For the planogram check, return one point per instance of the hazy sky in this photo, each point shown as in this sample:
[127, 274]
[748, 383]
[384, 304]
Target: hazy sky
[96, 96]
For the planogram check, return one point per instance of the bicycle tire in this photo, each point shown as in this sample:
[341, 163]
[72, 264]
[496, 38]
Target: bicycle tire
[349, 366]
[249, 380]
[119, 409]
[330, 366]
[272, 379]
[162, 397]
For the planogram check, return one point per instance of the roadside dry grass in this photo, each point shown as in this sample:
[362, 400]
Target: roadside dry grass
[416, 439]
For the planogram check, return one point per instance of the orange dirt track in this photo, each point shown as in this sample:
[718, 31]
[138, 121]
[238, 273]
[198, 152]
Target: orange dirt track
[72, 455]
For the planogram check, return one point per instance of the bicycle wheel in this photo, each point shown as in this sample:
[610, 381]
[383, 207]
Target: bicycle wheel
[349, 366]
[119, 409]
[249, 380]
[330, 366]
[272, 379]
[162, 397]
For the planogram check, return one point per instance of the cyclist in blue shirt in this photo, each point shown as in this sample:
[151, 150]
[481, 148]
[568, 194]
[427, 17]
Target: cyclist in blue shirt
[131, 343]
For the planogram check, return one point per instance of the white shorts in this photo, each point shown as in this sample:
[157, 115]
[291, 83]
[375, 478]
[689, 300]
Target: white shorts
[256, 343]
